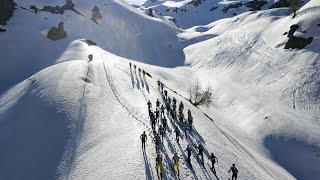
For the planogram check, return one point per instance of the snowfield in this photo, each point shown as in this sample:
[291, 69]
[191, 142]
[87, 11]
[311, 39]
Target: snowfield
[64, 117]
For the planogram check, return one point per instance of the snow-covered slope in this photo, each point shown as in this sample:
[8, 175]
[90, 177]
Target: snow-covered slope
[82, 120]
[122, 30]
[189, 13]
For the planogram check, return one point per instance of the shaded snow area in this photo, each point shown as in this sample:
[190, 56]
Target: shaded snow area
[64, 116]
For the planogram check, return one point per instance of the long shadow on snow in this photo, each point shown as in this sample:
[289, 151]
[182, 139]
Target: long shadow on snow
[132, 78]
[186, 160]
[147, 166]
[299, 158]
[32, 148]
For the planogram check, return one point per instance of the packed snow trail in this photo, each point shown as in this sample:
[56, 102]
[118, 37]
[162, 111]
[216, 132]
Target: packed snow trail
[169, 145]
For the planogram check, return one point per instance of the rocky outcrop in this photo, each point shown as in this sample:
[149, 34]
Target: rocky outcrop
[232, 6]
[279, 4]
[2, 30]
[7, 8]
[57, 9]
[96, 14]
[255, 5]
[57, 33]
[296, 42]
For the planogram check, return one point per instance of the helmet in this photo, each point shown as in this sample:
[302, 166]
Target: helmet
[233, 164]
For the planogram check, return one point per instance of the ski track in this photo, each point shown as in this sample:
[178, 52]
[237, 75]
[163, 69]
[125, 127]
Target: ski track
[169, 139]
[75, 140]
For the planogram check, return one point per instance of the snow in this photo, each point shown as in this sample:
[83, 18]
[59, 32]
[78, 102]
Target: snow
[75, 119]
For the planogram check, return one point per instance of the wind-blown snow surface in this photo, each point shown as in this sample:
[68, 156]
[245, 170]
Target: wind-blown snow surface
[122, 30]
[82, 120]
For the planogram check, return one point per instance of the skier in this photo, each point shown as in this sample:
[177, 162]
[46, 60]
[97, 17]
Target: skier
[189, 150]
[164, 123]
[135, 67]
[161, 131]
[157, 141]
[144, 73]
[149, 105]
[159, 164]
[158, 103]
[185, 126]
[158, 83]
[213, 159]
[157, 115]
[139, 71]
[174, 101]
[181, 116]
[234, 172]
[161, 87]
[162, 110]
[177, 131]
[153, 121]
[200, 152]
[190, 121]
[90, 56]
[189, 113]
[169, 101]
[181, 105]
[165, 94]
[175, 160]
[130, 64]
[143, 138]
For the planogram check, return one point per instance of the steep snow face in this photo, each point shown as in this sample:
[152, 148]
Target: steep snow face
[272, 94]
[189, 13]
[83, 120]
[113, 25]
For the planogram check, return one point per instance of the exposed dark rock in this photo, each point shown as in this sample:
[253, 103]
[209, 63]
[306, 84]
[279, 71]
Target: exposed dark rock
[90, 42]
[58, 9]
[232, 6]
[279, 4]
[7, 8]
[213, 8]
[35, 9]
[150, 12]
[296, 42]
[57, 33]
[2, 30]
[292, 30]
[285, 33]
[195, 2]
[95, 14]
[255, 5]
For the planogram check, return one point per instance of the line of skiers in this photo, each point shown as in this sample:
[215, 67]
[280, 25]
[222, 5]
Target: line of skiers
[144, 73]
[159, 115]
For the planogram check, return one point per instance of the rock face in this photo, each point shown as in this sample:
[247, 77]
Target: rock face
[255, 5]
[7, 8]
[57, 33]
[69, 5]
[279, 4]
[234, 5]
[2, 30]
[95, 14]
[296, 42]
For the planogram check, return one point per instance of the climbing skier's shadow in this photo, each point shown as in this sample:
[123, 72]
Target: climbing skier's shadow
[169, 163]
[132, 78]
[147, 166]
[141, 80]
[138, 83]
[145, 81]
[186, 160]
